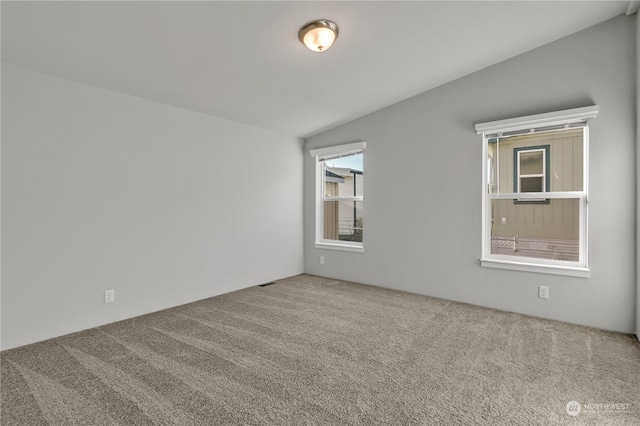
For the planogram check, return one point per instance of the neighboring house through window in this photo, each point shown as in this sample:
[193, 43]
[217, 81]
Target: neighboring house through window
[340, 196]
[535, 192]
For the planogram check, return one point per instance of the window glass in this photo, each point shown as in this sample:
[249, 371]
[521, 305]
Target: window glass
[343, 220]
[531, 162]
[557, 156]
[532, 184]
[343, 188]
[548, 231]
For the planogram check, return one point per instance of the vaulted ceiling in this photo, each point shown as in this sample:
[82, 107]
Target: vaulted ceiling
[243, 61]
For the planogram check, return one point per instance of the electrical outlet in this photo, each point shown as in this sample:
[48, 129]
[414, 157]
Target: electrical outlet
[322, 260]
[109, 296]
[543, 292]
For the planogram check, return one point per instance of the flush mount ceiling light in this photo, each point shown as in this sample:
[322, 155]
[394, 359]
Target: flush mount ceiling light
[318, 35]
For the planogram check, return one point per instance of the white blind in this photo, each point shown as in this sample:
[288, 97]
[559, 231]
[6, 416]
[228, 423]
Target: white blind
[333, 157]
[540, 122]
[338, 151]
[566, 126]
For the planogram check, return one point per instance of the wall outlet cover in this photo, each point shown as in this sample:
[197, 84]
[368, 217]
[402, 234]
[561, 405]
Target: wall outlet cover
[543, 292]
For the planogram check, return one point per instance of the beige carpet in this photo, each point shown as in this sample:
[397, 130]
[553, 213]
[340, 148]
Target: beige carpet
[311, 350]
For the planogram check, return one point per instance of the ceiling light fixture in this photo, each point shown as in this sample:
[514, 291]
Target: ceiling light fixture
[318, 35]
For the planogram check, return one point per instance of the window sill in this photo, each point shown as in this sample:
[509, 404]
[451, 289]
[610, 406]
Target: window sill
[341, 246]
[538, 268]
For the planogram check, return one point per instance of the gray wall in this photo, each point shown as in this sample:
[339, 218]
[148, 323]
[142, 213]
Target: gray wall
[102, 190]
[423, 166]
[638, 174]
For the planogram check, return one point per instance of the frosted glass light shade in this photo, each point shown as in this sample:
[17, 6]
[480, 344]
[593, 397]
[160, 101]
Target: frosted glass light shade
[318, 35]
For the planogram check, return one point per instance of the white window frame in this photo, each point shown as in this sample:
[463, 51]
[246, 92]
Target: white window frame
[542, 175]
[578, 117]
[320, 155]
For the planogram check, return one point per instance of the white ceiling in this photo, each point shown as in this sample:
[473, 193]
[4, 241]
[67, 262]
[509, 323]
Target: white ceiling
[243, 61]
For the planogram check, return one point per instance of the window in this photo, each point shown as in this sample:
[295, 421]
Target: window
[340, 196]
[530, 171]
[535, 192]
